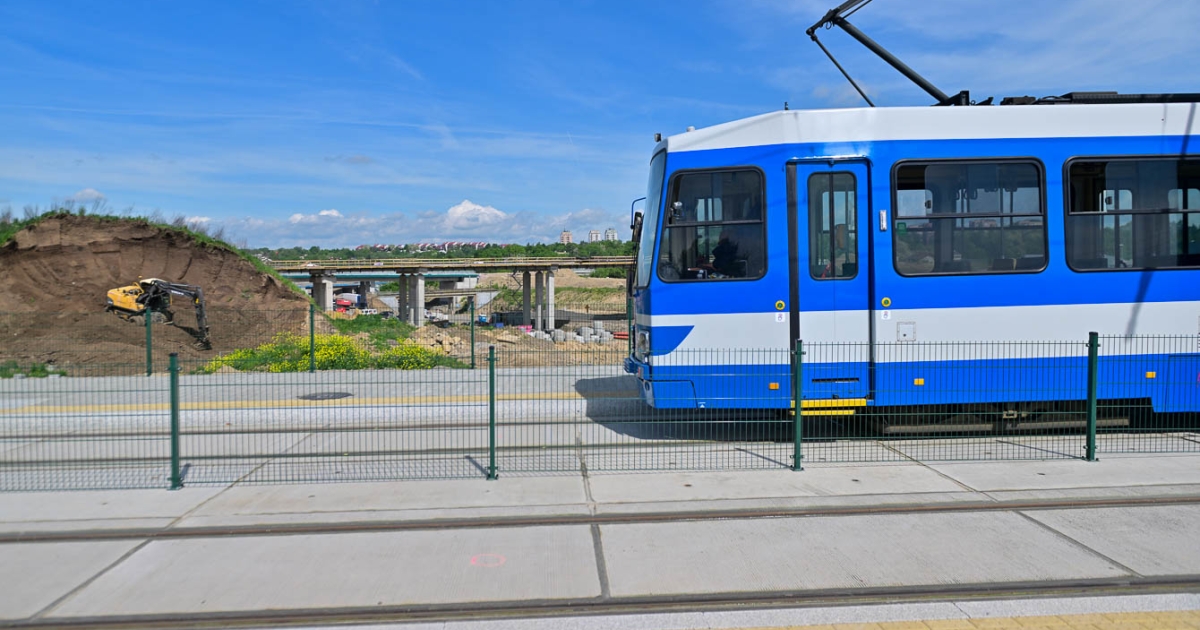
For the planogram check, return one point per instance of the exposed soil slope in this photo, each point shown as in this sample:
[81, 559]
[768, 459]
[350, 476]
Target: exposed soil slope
[54, 276]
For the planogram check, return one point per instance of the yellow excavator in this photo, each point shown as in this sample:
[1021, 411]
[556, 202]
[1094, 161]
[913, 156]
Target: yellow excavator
[151, 297]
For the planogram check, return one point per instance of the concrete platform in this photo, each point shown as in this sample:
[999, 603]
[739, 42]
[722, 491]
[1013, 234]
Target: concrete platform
[839, 553]
[910, 526]
[229, 574]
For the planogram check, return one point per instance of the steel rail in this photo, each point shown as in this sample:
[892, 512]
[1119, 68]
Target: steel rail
[616, 518]
[549, 609]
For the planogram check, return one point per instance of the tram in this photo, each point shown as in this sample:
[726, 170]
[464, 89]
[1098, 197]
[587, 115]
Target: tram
[887, 238]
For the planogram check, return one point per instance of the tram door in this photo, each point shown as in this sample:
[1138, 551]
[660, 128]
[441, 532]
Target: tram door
[829, 236]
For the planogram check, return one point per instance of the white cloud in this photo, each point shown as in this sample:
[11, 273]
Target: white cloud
[199, 220]
[299, 218]
[468, 216]
[88, 194]
[466, 220]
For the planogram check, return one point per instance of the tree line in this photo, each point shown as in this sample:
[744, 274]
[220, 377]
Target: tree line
[531, 250]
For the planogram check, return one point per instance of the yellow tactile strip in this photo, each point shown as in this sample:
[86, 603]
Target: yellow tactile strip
[1180, 620]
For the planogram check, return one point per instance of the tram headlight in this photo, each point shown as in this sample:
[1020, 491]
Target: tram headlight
[642, 347]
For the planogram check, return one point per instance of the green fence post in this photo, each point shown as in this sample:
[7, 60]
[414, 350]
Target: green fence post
[491, 412]
[312, 338]
[472, 299]
[176, 478]
[148, 316]
[797, 406]
[1092, 376]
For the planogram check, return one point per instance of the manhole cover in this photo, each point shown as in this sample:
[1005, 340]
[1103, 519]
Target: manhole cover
[324, 396]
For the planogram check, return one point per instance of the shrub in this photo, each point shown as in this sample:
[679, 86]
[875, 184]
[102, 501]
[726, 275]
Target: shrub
[289, 352]
[9, 369]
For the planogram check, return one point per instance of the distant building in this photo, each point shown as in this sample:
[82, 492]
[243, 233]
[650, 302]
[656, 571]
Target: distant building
[593, 236]
[565, 237]
[610, 234]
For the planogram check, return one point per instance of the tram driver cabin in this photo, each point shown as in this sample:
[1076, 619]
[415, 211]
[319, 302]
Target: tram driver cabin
[872, 232]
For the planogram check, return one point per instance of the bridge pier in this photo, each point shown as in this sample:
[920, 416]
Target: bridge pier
[525, 298]
[539, 297]
[402, 298]
[411, 287]
[364, 289]
[550, 299]
[419, 298]
[322, 290]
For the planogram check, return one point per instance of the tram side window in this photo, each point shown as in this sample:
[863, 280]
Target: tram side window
[832, 221]
[1133, 214]
[713, 227]
[970, 217]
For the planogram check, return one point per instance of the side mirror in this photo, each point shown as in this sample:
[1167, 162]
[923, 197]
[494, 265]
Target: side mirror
[676, 210]
[633, 213]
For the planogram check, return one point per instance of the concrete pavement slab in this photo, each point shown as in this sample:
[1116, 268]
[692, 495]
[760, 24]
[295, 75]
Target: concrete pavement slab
[817, 481]
[1152, 540]
[956, 614]
[228, 445]
[360, 468]
[394, 568]
[12, 445]
[1111, 471]
[34, 575]
[98, 505]
[849, 451]
[381, 516]
[1118, 492]
[840, 552]
[793, 503]
[98, 477]
[1014, 447]
[1079, 605]
[416, 495]
[84, 525]
[667, 459]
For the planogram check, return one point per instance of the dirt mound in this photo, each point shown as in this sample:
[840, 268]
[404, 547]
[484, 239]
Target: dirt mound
[57, 272]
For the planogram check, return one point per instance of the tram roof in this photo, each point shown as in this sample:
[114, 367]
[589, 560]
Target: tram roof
[866, 124]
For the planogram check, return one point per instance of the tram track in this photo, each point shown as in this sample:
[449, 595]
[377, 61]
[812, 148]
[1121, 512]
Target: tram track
[643, 605]
[615, 518]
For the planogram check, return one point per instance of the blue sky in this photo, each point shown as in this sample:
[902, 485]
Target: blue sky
[350, 122]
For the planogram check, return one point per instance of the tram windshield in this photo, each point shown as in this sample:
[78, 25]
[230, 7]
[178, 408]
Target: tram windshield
[645, 261]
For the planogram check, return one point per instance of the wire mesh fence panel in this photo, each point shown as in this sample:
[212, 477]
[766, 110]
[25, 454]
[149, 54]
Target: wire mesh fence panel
[944, 401]
[581, 410]
[360, 404]
[300, 396]
[69, 432]
[1149, 395]
[91, 343]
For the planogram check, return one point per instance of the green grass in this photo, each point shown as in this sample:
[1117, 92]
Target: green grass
[9, 369]
[380, 331]
[287, 352]
[587, 293]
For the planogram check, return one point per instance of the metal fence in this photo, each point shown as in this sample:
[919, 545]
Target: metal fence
[533, 407]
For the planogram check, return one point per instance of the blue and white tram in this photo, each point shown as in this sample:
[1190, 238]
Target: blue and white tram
[875, 228]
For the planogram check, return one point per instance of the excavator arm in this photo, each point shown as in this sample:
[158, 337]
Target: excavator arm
[156, 297]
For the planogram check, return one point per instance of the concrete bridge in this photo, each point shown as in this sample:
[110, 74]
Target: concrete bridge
[537, 279]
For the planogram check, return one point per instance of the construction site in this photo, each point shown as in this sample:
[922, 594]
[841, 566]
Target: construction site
[59, 269]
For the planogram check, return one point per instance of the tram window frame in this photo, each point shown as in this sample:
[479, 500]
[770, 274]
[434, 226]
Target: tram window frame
[1135, 215]
[1042, 213]
[668, 223]
[816, 217]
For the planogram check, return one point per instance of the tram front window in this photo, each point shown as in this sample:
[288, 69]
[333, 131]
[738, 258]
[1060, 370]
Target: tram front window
[713, 227]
